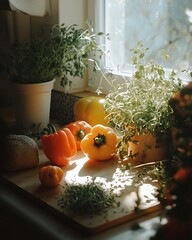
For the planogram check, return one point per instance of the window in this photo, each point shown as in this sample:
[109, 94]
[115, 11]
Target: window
[160, 25]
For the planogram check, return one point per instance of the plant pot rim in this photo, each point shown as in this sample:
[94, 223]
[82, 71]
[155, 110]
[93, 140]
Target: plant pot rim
[32, 87]
[38, 83]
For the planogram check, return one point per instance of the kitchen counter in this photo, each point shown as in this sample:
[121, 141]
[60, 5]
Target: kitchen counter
[21, 216]
[24, 217]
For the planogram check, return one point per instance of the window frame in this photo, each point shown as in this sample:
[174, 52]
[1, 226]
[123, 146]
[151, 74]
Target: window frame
[70, 12]
[96, 12]
[93, 10]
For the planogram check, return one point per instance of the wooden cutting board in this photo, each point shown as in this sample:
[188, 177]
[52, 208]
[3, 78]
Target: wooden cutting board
[126, 184]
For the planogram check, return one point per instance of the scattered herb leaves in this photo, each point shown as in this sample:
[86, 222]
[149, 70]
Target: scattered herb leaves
[86, 198]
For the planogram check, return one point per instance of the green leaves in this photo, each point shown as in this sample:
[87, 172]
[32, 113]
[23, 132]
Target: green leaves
[88, 198]
[65, 52]
[142, 101]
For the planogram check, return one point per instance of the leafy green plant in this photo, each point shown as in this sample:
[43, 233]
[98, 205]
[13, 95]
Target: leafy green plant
[65, 52]
[141, 103]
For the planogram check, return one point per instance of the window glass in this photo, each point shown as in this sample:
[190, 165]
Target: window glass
[160, 25]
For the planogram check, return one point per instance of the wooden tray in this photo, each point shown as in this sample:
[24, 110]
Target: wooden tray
[80, 169]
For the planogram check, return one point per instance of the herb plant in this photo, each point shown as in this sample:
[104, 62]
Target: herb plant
[141, 103]
[65, 52]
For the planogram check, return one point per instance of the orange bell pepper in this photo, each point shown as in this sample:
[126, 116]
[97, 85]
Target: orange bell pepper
[59, 146]
[50, 176]
[100, 143]
[91, 110]
[79, 129]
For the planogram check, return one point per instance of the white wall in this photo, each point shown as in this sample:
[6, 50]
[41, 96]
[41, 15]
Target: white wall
[73, 11]
[45, 23]
[22, 27]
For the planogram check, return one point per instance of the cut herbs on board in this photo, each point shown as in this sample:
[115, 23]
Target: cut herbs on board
[104, 196]
[88, 198]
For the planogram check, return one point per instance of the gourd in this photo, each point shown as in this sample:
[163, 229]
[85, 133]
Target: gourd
[20, 152]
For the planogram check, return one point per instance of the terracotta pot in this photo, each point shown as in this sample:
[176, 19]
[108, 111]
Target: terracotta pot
[147, 149]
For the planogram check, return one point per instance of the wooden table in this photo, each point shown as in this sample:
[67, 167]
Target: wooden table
[80, 169]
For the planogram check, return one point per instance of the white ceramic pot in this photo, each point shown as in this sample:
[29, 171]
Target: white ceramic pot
[32, 104]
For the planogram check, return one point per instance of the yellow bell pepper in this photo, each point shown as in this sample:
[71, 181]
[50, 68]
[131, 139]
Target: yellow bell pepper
[90, 110]
[100, 143]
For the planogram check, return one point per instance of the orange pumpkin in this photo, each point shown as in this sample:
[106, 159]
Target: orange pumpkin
[50, 176]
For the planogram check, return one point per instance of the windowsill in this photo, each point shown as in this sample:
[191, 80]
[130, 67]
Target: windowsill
[7, 112]
[87, 94]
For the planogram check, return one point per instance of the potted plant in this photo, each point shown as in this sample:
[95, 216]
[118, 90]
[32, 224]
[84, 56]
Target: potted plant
[63, 53]
[139, 109]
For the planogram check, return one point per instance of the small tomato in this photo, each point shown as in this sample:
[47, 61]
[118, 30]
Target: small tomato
[79, 130]
[50, 176]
